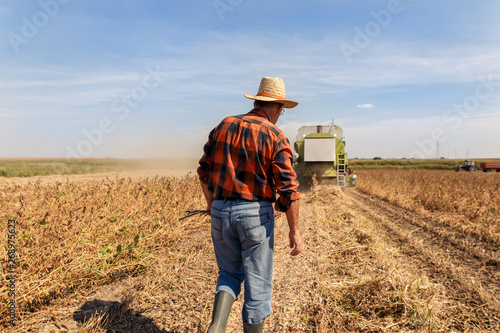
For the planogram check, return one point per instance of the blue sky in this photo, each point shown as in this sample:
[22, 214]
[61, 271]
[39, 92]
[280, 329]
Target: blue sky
[151, 78]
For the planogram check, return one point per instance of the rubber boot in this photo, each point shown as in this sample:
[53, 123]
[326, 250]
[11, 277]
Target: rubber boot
[253, 328]
[222, 307]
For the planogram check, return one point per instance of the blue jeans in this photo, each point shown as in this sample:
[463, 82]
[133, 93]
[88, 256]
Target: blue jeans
[243, 238]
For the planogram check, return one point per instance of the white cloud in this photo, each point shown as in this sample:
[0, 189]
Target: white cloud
[182, 111]
[365, 106]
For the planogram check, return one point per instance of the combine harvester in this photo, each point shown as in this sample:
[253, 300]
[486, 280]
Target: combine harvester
[320, 152]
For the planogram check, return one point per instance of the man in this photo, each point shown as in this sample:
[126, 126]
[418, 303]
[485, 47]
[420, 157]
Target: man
[247, 161]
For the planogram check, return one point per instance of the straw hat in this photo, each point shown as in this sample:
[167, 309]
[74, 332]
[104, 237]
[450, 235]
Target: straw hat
[272, 90]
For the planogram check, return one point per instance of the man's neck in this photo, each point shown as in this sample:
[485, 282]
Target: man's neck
[261, 112]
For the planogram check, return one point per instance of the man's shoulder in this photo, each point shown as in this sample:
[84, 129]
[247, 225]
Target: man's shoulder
[273, 128]
[250, 119]
[263, 124]
[232, 119]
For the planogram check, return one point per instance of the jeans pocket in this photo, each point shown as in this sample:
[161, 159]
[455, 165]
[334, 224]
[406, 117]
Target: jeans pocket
[216, 227]
[256, 227]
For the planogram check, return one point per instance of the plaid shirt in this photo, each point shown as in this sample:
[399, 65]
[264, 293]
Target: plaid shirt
[249, 158]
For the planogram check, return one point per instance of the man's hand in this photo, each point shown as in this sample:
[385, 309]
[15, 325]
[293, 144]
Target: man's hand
[296, 243]
[208, 196]
[292, 216]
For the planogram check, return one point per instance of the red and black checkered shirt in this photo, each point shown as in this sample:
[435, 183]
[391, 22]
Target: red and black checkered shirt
[248, 158]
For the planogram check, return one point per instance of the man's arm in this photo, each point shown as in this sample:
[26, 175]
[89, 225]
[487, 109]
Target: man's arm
[292, 216]
[287, 187]
[208, 195]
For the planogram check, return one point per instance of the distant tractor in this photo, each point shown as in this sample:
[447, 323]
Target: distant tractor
[320, 152]
[486, 166]
[467, 166]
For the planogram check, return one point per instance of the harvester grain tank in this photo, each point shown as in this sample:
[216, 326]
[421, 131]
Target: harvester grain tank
[320, 152]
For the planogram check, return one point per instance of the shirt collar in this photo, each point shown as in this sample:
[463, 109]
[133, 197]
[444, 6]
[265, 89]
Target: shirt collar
[260, 113]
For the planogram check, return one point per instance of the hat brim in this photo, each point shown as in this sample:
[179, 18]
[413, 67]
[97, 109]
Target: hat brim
[286, 103]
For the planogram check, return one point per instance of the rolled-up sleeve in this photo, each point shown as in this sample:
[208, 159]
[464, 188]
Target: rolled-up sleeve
[205, 161]
[284, 176]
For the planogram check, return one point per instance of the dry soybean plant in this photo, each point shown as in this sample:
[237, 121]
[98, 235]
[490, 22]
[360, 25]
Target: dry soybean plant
[468, 201]
[73, 236]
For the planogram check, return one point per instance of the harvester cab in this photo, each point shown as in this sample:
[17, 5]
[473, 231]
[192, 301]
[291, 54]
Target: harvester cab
[320, 152]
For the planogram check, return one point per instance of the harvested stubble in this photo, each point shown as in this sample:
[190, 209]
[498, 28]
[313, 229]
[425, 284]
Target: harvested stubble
[72, 236]
[466, 201]
[360, 282]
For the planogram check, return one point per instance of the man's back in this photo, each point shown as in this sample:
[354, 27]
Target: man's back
[248, 158]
